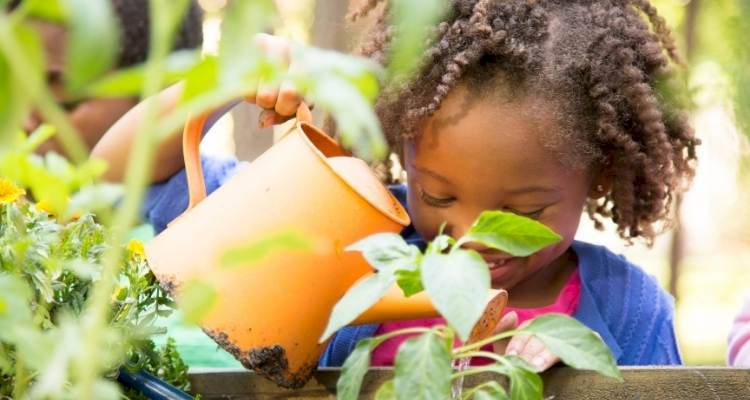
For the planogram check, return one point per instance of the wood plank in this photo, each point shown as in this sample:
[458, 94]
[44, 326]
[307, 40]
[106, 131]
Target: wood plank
[663, 383]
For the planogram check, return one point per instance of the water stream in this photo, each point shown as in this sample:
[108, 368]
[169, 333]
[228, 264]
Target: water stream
[458, 384]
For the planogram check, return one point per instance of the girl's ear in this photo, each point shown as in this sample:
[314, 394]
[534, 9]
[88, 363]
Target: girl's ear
[602, 182]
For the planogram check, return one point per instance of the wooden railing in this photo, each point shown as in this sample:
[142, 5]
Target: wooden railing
[659, 383]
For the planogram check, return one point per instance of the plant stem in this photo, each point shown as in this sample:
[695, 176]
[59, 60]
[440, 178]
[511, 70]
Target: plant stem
[139, 167]
[491, 339]
[19, 386]
[472, 371]
[67, 133]
[483, 354]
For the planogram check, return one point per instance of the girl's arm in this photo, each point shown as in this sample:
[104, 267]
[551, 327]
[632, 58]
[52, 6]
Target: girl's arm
[114, 147]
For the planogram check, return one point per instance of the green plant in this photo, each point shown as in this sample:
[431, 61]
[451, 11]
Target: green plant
[457, 280]
[48, 269]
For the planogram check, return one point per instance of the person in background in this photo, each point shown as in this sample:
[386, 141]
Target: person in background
[93, 116]
[738, 354]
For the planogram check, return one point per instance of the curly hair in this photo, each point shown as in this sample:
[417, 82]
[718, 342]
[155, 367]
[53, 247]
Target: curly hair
[133, 16]
[599, 65]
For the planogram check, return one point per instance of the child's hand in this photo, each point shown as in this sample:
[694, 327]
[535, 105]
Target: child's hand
[279, 101]
[527, 347]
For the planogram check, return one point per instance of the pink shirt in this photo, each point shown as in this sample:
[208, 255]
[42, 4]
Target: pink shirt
[739, 338]
[566, 303]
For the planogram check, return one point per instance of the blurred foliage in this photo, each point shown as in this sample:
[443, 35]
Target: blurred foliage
[48, 268]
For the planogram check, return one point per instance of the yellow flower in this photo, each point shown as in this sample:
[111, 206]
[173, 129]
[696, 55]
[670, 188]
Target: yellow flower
[9, 192]
[135, 247]
[45, 206]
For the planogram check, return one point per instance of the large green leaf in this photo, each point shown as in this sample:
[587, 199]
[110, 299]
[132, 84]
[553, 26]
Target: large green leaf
[423, 368]
[129, 81]
[458, 283]
[511, 233]
[357, 300]
[525, 383]
[388, 252]
[93, 41]
[575, 344]
[354, 369]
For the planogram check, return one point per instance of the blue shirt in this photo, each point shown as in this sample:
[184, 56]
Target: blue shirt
[627, 307]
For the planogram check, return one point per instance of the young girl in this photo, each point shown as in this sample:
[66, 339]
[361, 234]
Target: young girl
[544, 108]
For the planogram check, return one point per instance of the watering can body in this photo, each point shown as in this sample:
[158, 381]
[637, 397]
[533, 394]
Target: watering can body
[270, 312]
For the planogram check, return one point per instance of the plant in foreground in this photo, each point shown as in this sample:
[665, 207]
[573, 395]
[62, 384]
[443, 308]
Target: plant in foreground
[47, 272]
[428, 365]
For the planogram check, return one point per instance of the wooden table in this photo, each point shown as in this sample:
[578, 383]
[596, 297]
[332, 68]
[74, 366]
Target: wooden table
[662, 383]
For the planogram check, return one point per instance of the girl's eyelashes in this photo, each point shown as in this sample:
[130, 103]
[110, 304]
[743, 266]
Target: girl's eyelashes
[433, 200]
[531, 214]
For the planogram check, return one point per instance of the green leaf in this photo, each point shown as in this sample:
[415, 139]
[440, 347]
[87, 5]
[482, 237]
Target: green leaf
[345, 86]
[458, 283]
[490, 391]
[203, 77]
[196, 300]
[414, 20]
[575, 344]
[511, 233]
[98, 198]
[15, 311]
[525, 383]
[93, 41]
[253, 252]
[357, 300]
[47, 10]
[386, 391]
[129, 81]
[423, 369]
[410, 282]
[15, 98]
[388, 252]
[353, 371]
[440, 243]
[239, 56]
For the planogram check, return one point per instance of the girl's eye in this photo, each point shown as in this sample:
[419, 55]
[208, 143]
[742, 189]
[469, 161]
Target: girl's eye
[435, 201]
[532, 214]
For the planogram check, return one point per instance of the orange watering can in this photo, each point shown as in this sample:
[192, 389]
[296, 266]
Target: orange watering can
[271, 312]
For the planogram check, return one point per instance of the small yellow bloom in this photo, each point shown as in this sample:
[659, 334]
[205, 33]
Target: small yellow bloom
[45, 206]
[135, 247]
[9, 192]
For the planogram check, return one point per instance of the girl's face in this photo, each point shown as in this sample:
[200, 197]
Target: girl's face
[476, 155]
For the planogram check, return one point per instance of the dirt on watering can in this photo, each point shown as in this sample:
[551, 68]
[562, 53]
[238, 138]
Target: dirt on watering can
[270, 362]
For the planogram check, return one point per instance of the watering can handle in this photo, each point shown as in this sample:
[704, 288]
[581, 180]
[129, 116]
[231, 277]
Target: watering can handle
[191, 139]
